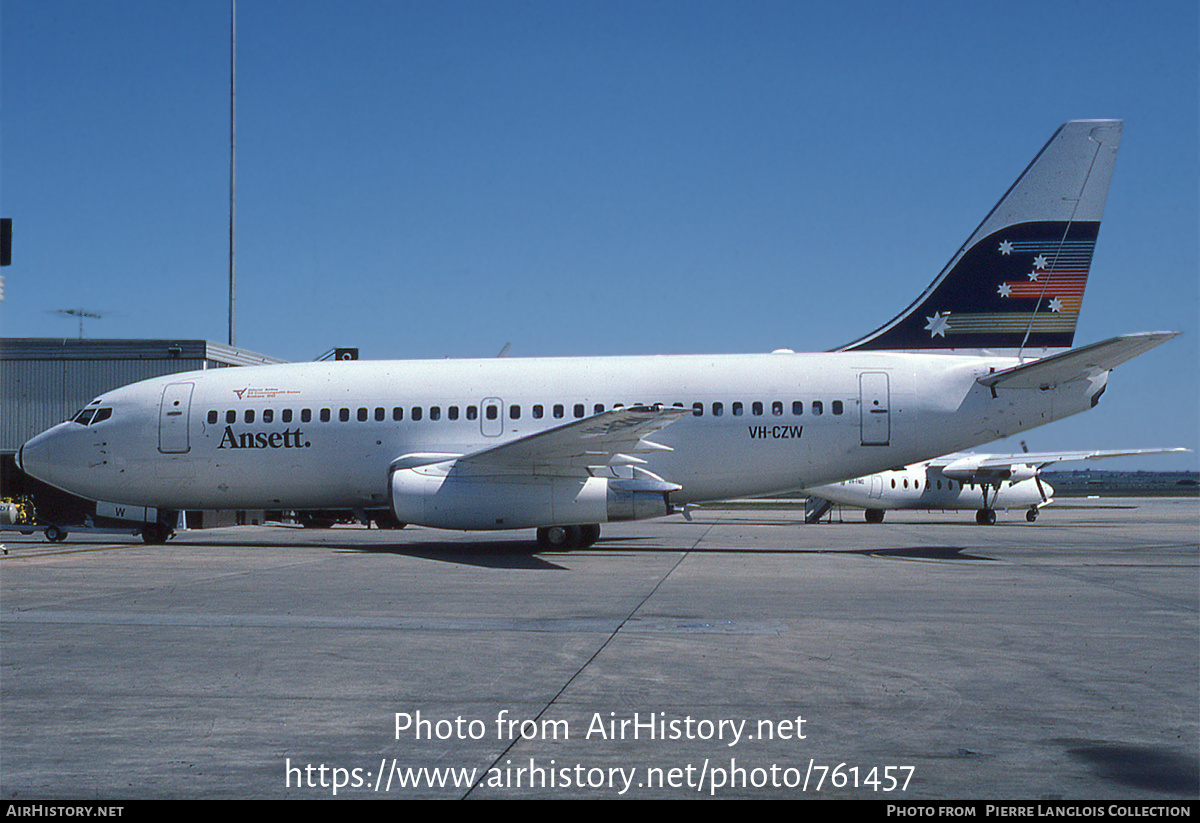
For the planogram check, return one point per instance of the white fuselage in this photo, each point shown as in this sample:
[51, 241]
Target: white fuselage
[323, 435]
[925, 487]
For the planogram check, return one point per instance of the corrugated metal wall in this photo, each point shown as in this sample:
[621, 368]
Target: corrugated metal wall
[44, 381]
[37, 394]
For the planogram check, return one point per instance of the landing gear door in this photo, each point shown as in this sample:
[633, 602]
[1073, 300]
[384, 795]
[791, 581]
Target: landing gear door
[173, 414]
[874, 408]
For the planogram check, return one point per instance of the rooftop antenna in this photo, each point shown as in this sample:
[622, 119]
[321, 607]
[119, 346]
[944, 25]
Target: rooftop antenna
[80, 313]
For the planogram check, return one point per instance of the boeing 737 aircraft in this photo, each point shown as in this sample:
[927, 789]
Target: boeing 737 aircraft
[563, 445]
[979, 482]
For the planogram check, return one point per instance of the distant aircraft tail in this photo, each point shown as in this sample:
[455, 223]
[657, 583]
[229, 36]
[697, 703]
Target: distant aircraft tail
[1016, 285]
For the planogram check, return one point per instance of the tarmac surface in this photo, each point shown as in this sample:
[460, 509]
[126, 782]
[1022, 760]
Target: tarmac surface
[740, 655]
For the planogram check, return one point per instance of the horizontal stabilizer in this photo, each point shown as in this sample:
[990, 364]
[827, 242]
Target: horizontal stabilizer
[1076, 364]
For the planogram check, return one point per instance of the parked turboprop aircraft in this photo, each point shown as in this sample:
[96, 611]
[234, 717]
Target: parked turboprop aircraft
[563, 445]
[981, 482]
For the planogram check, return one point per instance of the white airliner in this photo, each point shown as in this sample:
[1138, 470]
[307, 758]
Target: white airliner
[979, 482]
[565, 444]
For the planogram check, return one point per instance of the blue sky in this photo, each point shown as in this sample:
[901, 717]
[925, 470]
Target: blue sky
[438, 179]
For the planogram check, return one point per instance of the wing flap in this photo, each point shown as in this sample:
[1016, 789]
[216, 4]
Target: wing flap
[610, 438]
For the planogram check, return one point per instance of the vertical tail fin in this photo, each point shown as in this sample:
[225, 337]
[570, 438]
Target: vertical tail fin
[1017, 284]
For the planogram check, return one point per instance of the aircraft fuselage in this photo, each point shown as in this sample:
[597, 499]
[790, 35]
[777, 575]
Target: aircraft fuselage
[325, 435]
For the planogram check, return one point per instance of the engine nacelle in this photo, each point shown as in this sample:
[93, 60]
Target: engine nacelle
[971, 470]
[437, 496]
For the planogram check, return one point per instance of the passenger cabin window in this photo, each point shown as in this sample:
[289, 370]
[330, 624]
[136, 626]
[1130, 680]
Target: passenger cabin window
[325, 415]
[797, 408]
[817, 407]
[249, 415]
[756, 408]
[472, 413]
[718, 409]
[777, 408]
[343, 415]
[452, 412]
[435, 412]
[537, 412]
[230, 417]
[212, 418]
[287, 415]
[306, 415]
[268, 415]
[397, 413]
[416, 413]
[836, 406]
[579, 410]
[737, 409]
[698, 409]
[558, 410]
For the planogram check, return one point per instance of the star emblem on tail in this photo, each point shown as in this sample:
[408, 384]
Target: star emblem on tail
[938, 324]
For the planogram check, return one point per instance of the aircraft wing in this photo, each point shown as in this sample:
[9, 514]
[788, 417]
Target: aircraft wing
[611, 438]
[1043, 459]
[1076, 364]
[970, 467]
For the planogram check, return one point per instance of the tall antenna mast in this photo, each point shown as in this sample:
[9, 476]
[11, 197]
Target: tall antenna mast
[232, 170]
[80, 313]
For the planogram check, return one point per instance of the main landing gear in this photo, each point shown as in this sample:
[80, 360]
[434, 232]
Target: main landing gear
[986, 517]
[565, 538]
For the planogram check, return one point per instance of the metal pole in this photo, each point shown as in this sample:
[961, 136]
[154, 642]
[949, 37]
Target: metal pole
[232, 171]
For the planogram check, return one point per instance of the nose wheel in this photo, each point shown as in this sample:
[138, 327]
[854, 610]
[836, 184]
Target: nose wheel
[156, 533]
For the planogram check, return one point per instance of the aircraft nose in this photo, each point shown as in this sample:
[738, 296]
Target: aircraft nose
[32, 456]
[48, 456]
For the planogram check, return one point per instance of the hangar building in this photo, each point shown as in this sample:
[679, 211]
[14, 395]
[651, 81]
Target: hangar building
[44, 381]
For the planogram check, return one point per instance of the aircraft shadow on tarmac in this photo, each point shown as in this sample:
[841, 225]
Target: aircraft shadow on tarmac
[492, 554]
[923, 553]
[526, 554]
[1141, 767]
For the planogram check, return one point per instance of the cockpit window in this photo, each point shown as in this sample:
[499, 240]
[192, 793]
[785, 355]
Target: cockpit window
[90, 416]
